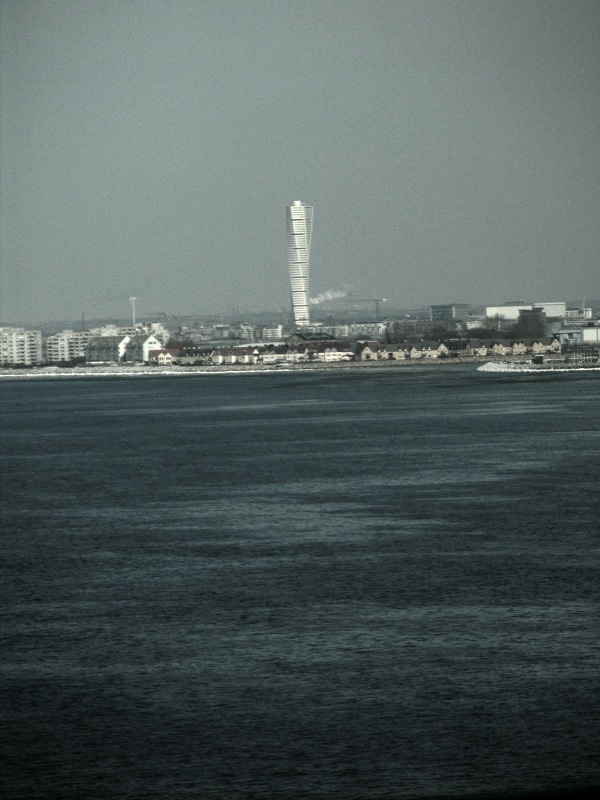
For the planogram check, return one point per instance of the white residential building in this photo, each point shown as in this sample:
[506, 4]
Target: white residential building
[367, 329]
[272, 333]
[67, 345]
[20, 347]
[141, 328]
[138, 348]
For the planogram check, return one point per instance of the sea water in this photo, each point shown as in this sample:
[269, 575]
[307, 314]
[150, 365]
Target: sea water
[345, 583]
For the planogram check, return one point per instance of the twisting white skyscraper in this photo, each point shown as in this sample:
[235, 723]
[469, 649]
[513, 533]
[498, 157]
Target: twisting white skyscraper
[299, 229]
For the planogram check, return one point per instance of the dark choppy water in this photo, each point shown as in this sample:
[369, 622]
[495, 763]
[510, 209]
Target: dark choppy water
[344, 584]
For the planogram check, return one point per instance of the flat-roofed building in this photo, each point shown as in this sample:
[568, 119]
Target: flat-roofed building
[445, 313]
[20, 347]
[555, 309]
[66, 346]
[590, 335]
[272, 333]
[506, 312]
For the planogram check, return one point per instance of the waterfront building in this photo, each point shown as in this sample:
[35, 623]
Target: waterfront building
[137, 348]
[165, 357]
[120, 349]
[20, 347]
[582, 355]
[66, 346]
[106, 349]
[299, 231]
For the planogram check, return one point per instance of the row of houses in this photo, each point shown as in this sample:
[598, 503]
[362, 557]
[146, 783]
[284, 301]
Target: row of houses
[466, 348]
[18, 346]
[296, 351]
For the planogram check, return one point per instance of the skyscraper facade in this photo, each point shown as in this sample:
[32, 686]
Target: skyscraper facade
[299, 229]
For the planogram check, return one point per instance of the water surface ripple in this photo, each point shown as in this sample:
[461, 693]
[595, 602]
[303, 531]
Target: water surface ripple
[300, 585]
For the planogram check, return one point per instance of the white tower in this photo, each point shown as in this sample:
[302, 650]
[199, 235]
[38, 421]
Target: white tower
[299, 229]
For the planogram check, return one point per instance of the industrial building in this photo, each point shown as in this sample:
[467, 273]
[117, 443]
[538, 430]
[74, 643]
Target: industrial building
[511, 312]
[445, 313]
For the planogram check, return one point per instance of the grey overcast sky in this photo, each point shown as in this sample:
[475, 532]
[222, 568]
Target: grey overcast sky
[451, 150]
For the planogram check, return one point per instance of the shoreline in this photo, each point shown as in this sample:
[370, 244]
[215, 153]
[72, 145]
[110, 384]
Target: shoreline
[500, 364]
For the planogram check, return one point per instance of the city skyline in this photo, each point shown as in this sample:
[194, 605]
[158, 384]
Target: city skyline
[342, 306]
[148, 149]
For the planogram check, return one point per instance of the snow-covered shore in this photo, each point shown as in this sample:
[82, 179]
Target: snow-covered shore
[514, 366]
[141, 371]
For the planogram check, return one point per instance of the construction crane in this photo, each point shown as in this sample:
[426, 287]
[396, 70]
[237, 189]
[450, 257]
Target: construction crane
[376, 300]
[164, 314]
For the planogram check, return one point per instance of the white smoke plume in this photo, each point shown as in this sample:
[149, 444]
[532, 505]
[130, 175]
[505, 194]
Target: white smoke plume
[330, 294]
